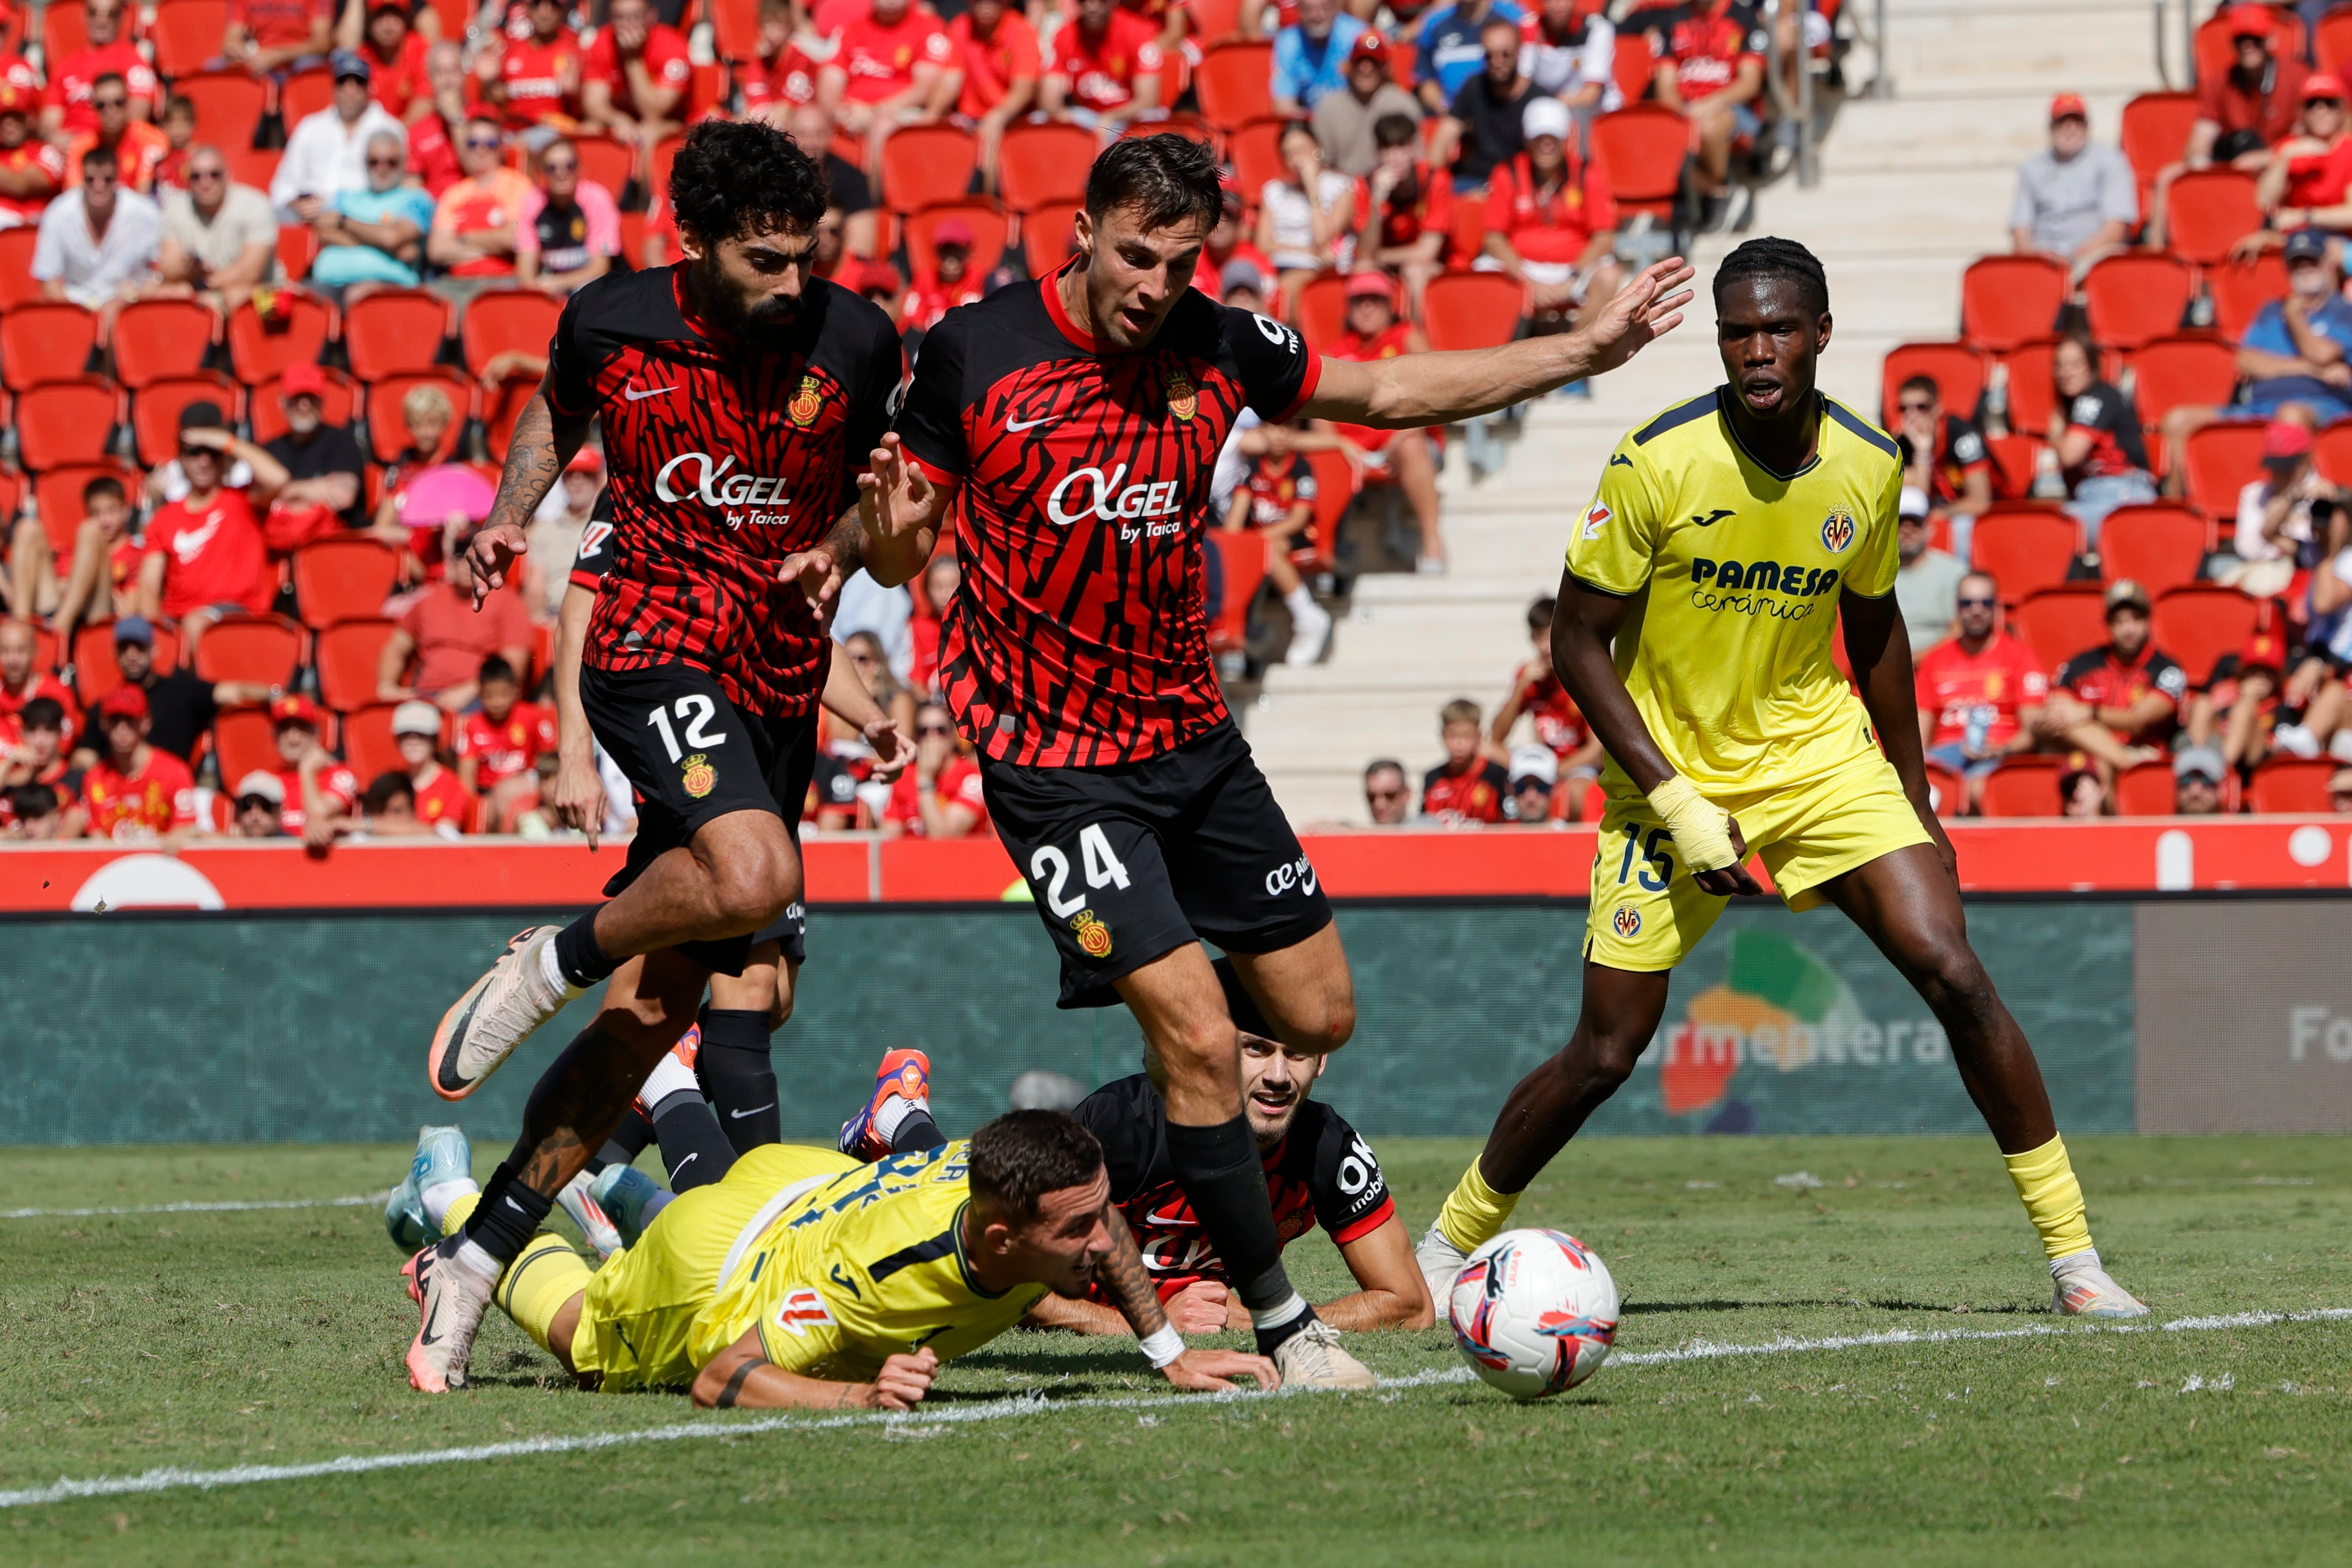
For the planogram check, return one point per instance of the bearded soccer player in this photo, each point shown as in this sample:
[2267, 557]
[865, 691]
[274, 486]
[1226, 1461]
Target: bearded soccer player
[732, 389]
[1068, 431]
[1693, 629]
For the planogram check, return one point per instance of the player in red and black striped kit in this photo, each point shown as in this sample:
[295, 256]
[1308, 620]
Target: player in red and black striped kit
[1068, 431]
[736, 395]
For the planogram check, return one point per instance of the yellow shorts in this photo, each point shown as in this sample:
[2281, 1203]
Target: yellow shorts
[1648, 912]
[637, 1322]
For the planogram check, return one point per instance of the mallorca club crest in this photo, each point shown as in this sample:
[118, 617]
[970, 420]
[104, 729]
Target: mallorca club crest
[1837, 531]
[806, 403]
[1094, 937]
[1183, 399]
[1626, 922]
[700, 778]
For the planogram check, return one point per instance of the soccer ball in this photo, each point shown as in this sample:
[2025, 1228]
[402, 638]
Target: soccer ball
[1533, 1311]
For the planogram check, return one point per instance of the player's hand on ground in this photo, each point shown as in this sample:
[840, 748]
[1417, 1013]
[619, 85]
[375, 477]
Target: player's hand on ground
[1202, 1307]
[1733, 880]
[1200, 1371]
[891, 751]
[894, 498]
[493, 549]
[576, 795]
[904, 1380]
[816, 572]
[1646, 308]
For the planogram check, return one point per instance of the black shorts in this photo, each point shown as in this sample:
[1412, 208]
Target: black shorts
[693, 756]
[1135, 861]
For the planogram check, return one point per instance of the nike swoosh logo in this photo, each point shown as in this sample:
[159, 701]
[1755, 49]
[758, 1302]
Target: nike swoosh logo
[634, 395]
[1017, 425]
[684, 1163]
[738, 1115]
[426, 1336]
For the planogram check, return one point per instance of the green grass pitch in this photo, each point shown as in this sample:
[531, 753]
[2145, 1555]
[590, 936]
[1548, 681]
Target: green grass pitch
[272, 1337]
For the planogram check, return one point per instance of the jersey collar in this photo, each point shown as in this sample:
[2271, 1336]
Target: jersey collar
[963, 1259]
[1051, 288]
[1724, 395]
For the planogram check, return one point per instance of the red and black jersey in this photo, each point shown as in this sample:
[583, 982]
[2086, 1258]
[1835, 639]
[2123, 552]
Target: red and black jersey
[1082, 479]
[2104, 679]
[726, 456]
[1322, 1172]
[2113, 425]
[1960, 450]
[1558, 722]
[1474, 795]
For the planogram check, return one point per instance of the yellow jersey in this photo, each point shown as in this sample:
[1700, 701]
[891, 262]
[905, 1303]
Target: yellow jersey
[868, 1265]
[1735, 572]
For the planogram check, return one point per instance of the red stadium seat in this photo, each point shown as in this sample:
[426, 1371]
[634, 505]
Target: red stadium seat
[1336, 487]
[2207, 211]
[155, 412]
[1244, 560]
[2296, 784]
[388, 431]
[499, 408]
[47, 341]
[2155, 133]
[186, 34]
[1047, 240]
[347, 655]
[264, 649]
[65, 30]
[1322, 314]
[2220, 461]
[2059, 622]
[244, 741]
[2007, 300]
[990, 228]
[94, 671]
[2331, 453]
[507, 320]
[1466, 236]
[2160, 546]
[1254, 151]
[1948, 790]
[296, 333]
[158, 337]
[343, 580]
[1644, 146]
[2331, 42]
[2145, 790]
[1040, 165]
[1958, 370]
[1635, 65]
[2172, 371]
[2014, 459]
[297, 247]
[606, 163]
[2241, 290]
[2136, 296]
[57, 495]
[2022, 787]
[2025, 546]
[67, 421]
[16, 283]
[2196, 625]
[658, 164]
[1215, 21]
[1471, 309]
[267, 408]
[254, 166]
[394, 330]
[229, 105]
[1235, 83]
[923, 165]
[304, 94]
[735, 28]
[368, 744]
[2033, 390]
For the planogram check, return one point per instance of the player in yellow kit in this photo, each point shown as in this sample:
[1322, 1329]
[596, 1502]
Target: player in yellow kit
[808, 1278]
[1693, 629]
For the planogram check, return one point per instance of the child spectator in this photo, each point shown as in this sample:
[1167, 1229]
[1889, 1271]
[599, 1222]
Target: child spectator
[2096, 432]
[1407, 208]
[940, 797]
[1980, 693]
[935, 293]
[1943, 457]
[1276, 502]
[388, 811]
[1551, 221]
[499, 743]
[179, 134]
[320, 793]
[36, 812]
[1466, 787]
[36, 752]
[395, 53]
[1536, 795]
[22, 684]
[449, 642]
[2118, 703]
[1410, 456]
[1538, 695]
[1307, 219]
[136, 791]
[204, 553]
[1388, 798]
[634, 76]
[1927, 579]
[441, 795]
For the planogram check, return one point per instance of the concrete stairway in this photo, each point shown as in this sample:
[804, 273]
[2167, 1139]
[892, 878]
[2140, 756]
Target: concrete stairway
[1913, 188]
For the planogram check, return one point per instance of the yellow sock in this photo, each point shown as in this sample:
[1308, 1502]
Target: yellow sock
[460, 1209]
[2053, 1197]
[1475, 1212]
[536, 1284]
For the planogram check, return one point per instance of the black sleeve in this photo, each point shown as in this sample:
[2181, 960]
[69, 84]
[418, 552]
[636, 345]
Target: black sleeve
[1500, 779]
[1966, 443]
[2076, 670]
[1119, 1117]
[882, 367]
[570, 374]
[1277, 369]
[1429, 780]
[594, 556]
[1347, 1183]
[930, 418]
[343, 454]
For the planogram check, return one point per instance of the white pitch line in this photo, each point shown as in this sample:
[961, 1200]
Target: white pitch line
[171, 1478]
[235, 1208]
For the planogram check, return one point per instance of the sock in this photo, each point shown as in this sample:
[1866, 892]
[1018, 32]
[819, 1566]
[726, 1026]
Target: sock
[693, 1149]
[579, 961]
[1300, 602]
[740, 1077]
[1218, 1168]
[441, 1200]
[459, 1209]
[504, 1221]
[2086, 1258]
[670, 1076]
[1474, 1213]
[2053, 1197]
[916, 1132]
[629, 1140]
[546, 1275]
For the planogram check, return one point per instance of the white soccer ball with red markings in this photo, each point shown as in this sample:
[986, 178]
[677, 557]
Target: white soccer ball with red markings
[1535, 1312]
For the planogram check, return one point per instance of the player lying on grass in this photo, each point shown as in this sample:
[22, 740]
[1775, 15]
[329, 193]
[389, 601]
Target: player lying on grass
[808, 1280]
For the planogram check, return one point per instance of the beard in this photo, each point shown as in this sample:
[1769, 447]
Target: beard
[771, 318]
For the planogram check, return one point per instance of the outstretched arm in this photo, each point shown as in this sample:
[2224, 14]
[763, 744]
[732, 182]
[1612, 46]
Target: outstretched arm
[1124, 1279]
[1879, 649]
[1413, 389]
[543, 443]
[742, 1375]
[1394, 1293]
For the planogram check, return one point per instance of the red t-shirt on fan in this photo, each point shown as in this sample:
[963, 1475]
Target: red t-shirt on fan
[504, 749]
[1558, 722]
[790, 77]
[534, 74]
[1103, 72]
[957, 785]
[158, 798]
[666, 61]
[335, 782]
[443, 801]
[16, 211]
[1985, 688]
[70, 82]
[401, 80]
[880, 61]
[213, 554]
[927, 299]
[992, 64]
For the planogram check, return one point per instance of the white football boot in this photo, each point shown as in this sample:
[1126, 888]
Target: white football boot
[497, 1013]
[453, 1300]
[579, 1201]
[2084, 1291]
[1312, 1358]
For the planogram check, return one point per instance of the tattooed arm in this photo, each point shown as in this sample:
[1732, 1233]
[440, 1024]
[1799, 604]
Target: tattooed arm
[741, 1374]
[543, 443]
[821, 568]
[1128, 1283]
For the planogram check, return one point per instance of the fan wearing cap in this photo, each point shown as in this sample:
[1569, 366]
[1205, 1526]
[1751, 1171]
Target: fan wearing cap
[2275, 512]
[2119, 702]
[205, 555]
[1536, 795]
[31, 170]
[326, 151]
[321, 794]
[441, 795]
[878, 282]
[135, 791]
[574, 521]
[1927, 579]
[1344, 122]
[945, 286]
[258, 807]
[2198, 773]
[322, 461]
[181, 704]
[1409, 456]
[440, 633]
[1551, 219]
[2076, 199]
[2307, 181]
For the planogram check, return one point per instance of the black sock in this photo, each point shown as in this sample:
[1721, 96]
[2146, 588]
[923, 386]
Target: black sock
[628, 1139]
[740, 1077]
[916, 1132]
[1218, 1168]
[578, 956]
[508, 1215]
[693, 1150]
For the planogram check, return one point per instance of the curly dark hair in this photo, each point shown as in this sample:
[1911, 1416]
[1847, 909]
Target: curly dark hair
[735, 176]
[1168, 178]
[1774, 257]
[1023, 1156]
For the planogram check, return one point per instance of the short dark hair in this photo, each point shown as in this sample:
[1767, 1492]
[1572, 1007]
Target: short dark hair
[103, 78]
[1167, 178]
[43, 713]
[179, 103]
[1023, 1156]
[387, 788]
[1382, 765]
[33, 801]
[1921, 384]
[734, 176]
[104, 485]
[1540, 612]
[495, 668]
[1782, 260]
[99, 158]
[1395, 130]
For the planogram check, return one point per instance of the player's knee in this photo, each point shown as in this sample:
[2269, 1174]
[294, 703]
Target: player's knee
[752, 886]
[1950, 978]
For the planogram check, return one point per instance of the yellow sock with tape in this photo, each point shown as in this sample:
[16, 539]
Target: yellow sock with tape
[1474, 1212]
[2053, 1197]
[535, 1286]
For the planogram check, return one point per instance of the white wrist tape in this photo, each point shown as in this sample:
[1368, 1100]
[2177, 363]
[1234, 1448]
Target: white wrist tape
[1163, 1344]
[1701, 829]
